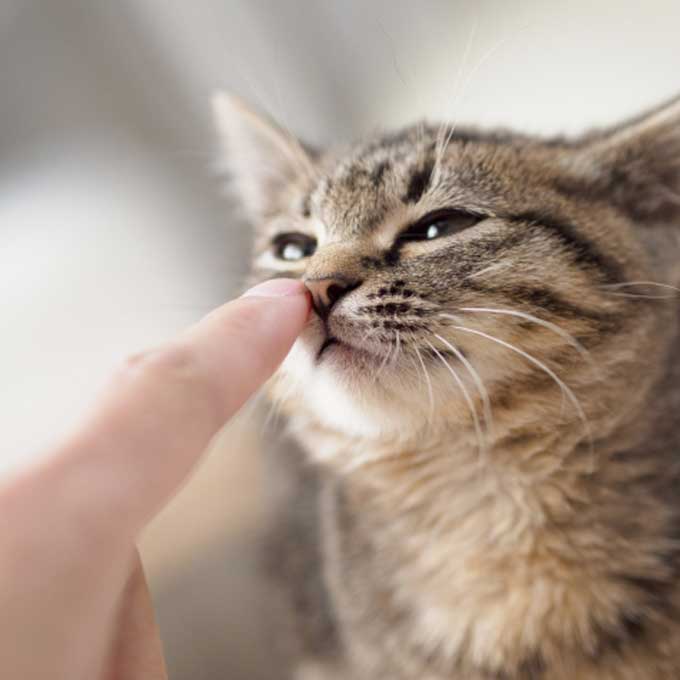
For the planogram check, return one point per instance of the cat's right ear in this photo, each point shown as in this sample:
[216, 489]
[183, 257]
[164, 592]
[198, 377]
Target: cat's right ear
[635, 165]
[260, 158]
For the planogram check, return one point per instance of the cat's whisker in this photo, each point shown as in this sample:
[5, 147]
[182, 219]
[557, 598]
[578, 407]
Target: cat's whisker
[641, 296]
[422, 377]
[503, 264]
[476, 378]
[642, 283]
[393, 53]
[672, 196]
[457, 96]
[612, 289]
[441, 132]
[384, 362]
[565, 389]
[428, 380]
[416, 365]
[483, 59]
[397, 347]
[466, 395]
[558, 330]
[465, 86]
[420, 132]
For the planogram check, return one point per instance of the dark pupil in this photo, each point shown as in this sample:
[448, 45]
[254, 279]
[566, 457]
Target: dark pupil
[293, 247]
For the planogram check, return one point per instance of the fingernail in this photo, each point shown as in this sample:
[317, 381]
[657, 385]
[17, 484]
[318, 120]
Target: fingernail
[276, 288]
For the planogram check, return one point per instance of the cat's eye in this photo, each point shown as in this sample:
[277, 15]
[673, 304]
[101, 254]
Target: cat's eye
[438, 224]
[293, 246]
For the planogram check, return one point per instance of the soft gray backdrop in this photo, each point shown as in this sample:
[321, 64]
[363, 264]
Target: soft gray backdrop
[113, 235]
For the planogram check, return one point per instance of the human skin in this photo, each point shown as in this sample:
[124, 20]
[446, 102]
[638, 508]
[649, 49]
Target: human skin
[74, 600]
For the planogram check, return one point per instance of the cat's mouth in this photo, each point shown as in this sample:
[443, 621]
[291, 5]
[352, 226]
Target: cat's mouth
[333, 345]
[327, 344]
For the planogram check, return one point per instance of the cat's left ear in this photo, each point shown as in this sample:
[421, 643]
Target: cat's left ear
[261, 158]
[636, 165]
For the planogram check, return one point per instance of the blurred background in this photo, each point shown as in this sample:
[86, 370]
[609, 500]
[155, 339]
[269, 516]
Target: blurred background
[114, 236]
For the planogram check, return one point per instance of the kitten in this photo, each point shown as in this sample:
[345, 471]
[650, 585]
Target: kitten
[490, 389]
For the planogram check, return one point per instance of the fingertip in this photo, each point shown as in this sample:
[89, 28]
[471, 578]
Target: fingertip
[277, 288]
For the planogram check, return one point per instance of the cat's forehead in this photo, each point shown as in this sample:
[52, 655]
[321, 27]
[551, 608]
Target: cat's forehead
[393, 172]
[369, 180]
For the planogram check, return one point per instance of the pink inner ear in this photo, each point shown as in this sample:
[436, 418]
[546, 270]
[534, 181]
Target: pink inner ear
[636, 165]
[260, 158]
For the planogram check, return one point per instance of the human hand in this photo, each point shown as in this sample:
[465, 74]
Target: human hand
[74, 600]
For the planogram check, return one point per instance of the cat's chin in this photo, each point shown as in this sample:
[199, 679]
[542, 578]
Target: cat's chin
[350, 389]
[346, 356]
[351, 403]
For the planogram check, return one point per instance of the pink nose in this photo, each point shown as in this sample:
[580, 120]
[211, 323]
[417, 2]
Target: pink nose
[327, 291]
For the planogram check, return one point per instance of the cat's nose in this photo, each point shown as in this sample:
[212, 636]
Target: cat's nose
[326, 291]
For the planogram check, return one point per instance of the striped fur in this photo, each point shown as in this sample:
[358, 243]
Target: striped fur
[492, 415]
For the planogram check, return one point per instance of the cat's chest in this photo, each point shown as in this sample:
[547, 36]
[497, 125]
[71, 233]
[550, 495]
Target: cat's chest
[428, 585]
[485, 586]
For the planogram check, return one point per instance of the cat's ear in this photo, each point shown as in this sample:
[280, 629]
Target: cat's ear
[636, 165]
[260, 158]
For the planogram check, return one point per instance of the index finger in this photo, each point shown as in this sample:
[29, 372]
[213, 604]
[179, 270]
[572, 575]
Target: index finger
[163, 408]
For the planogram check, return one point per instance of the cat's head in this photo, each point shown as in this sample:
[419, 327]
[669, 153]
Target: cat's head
[455, 272]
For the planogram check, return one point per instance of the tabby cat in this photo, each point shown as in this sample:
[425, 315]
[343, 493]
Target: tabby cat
[488, 391]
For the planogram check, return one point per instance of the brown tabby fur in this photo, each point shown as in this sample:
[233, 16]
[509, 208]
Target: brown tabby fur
[533, 536]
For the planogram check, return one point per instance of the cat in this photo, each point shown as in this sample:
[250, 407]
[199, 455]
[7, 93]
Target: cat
[488, 391]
